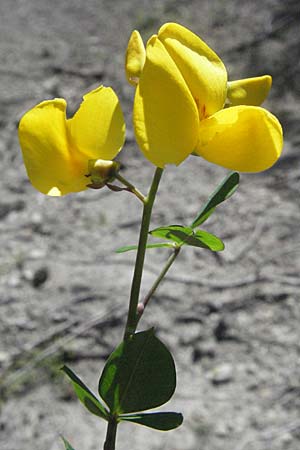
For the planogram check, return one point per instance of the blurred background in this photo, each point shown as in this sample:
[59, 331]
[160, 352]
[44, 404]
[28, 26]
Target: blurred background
[231, 320]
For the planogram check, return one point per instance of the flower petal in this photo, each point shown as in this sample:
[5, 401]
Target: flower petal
[242, 138]
[203, 71]
[51, 165]
[135, 58]
[165, 115]
[97, 129]
[249, 91]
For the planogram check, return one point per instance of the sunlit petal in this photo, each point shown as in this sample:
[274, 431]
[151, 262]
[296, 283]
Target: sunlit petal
[242, 138]
[202, 69]
[51, 165]
[249, 91]
[165, 114]
[97, 129]
[135, 57]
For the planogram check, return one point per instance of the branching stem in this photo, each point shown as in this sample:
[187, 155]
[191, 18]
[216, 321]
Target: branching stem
[158, 280]
[132, 318]
[130, 187]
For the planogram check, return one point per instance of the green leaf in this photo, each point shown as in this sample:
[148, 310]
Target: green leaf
[139, 375]
[85, 395]
[206, 240]
[163, 421]
[68, 446]
[127, 248]
[176, 233]
[225, 190]
[187, 236]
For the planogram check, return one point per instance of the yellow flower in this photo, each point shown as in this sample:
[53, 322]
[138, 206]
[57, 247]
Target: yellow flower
[59, 152]
[249, 91]
[181, 100]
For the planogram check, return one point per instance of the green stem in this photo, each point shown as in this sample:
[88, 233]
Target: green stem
[130, 187]
[110, 440]
[158, 280]
[132, 317]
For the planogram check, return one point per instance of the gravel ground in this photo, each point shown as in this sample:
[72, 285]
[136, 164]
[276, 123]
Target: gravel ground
[231, 321]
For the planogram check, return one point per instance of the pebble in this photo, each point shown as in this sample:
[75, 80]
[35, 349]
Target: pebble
[286, 439]
[221, 330]
[51, 85]
[37, 253]
[221, 374]
[221, 430]
[205, 350]
[27, 274]
[4, 357]
[40, 276]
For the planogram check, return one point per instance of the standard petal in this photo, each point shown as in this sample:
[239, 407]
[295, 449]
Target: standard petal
[203, 71]
[51, 165]
[165, 114]
[249, 91]
[97, 129]
[135, 58]
[242, 138]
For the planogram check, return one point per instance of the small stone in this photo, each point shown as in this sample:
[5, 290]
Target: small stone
[221, 374]
[4, 357]
[39, 277]
[59, 317]
[37, 253]
[221, 330]
[205, 350]
[51, 85]
[286, 438]
[221, 430]
[212, 307]
[36, 218]
[27, 274]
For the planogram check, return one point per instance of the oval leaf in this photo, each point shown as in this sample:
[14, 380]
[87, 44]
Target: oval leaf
[187, 236]
[163, 421]
[85, 395]
[225, 190]
[207, 240]
[139, 375]
[176, 233]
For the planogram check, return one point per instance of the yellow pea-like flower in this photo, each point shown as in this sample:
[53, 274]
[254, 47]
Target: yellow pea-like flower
[181, 100]
[58, 152]
[249, 91]
[242, 138]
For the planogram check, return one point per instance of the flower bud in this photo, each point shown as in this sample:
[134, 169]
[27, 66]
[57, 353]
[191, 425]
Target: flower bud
[101, 172]
[135, 58]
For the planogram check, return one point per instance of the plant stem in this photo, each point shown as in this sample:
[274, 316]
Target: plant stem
[110, 440]
[132, 317]
[131, 187]
[158, 280]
